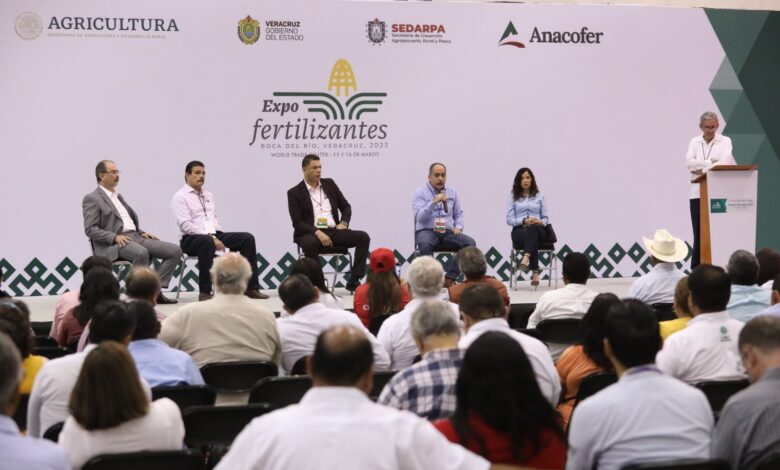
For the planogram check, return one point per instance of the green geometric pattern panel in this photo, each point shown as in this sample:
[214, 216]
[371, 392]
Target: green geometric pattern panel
[747, 94]
[609, 261]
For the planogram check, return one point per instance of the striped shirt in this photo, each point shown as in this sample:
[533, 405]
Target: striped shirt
[748, 430]
[426, 388]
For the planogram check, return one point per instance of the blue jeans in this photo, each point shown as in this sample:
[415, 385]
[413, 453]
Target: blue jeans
[427, 240]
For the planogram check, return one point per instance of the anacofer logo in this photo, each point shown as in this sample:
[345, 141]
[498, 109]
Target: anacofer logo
[248, 30]
[581, 36]
[341, 112]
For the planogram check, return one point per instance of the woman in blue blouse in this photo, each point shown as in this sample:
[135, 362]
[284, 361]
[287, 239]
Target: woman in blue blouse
[527, 214]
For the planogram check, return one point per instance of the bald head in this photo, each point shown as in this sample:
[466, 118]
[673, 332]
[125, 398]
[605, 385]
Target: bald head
[143, 283]
[342, 357]
[230, 274]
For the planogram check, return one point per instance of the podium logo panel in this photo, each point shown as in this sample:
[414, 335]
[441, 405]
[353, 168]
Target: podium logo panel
[718, 206]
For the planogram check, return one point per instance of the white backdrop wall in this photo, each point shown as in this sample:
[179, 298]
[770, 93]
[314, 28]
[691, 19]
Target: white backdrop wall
[604, 126]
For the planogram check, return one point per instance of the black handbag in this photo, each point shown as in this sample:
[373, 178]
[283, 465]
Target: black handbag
[549, 232]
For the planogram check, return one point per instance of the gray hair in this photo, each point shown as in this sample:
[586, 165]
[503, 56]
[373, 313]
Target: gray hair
[433, 318]
[762, 333]
[743, 268]
[708, 116]
[10, 368]
[426, 277]
[471, 262]
[231, 274]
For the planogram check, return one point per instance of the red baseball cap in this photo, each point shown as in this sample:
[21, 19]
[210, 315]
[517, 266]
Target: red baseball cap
[382, 260]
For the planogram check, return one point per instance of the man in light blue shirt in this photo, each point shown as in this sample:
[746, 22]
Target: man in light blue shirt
[657, 286]
[18, 451]
[646, 416]
[747, 297]
[438, 218]
[774, 310]
[158, 363]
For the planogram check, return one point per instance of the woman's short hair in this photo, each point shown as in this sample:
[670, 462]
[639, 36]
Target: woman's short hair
[108, 391]
[15, 322]
[99, 285]
[681, 294]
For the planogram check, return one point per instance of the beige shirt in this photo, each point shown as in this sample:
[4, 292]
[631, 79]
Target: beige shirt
[227, 328]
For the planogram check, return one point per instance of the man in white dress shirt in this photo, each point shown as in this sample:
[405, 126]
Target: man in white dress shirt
[646, 416]
[704, 152]
[707, 348]
[426, 279]
[336, 426]
[483, 310]
[306, 318]
[657, 286]
[570, 301]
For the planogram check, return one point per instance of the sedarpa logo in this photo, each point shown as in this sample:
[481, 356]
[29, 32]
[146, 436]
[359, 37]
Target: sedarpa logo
[718, 206]
[340, 114]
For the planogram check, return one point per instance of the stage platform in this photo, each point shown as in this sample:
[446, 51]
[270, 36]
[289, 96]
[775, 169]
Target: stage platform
[42, 307]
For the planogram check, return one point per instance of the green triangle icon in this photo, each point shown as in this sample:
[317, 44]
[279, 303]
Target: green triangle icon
[509, 31]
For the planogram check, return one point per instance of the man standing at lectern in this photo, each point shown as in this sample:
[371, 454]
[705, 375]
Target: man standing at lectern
[438, 218]
[112, 227]
[705, 151]
[320, 216]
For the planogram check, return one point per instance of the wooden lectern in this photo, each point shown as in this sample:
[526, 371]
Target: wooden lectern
[729, 200]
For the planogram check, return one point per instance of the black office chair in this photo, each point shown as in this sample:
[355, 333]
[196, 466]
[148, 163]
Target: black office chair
[300, 367]
[376, 323]
[719, 392]
[680, 464]
[44, 341]
[186, 396]
[594, 383]
[280, 391]
[519, 315]
[147, 460]
[41, 328]
[53, 433]
[772, 462]
[20, 415]
[665, 312]
[208, 426]
[50, 352]
[560, 330]
[237, 376]
[341, 254]
[381, 378]
[546, 246]
[532, 332]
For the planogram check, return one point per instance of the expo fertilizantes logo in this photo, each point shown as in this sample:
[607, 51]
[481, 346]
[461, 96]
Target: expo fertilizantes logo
[342, 113]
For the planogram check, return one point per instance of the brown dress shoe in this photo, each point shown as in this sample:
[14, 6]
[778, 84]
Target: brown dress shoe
[255, 294]
[204, 296]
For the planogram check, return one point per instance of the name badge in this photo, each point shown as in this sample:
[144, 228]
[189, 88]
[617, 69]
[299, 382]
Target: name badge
[440, 225]
[322, 222]
[208, 226]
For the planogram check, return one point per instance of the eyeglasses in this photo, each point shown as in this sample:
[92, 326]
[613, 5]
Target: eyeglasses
[112, 172]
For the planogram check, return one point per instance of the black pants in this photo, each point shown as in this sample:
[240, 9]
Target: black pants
[529, 236]
[346, 238]
[695, 221]
[203, 247]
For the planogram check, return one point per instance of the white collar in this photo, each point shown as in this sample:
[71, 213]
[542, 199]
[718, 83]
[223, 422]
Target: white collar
[489, 325]
[712, 317]
[111, 194]
[312, 188]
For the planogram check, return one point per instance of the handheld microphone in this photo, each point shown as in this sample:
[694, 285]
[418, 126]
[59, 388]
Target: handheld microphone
[444, 202]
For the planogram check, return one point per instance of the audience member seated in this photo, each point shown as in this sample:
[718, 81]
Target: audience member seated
[159, 364]
[768, 267]
[472, 264]
[313, 270]
[657, 286]
[707, 348]
[747, 430]
[54, 383]
[747, 297]
[501, 414]
[229, 327]
[427, 388]
[17, 451]
[426, 278]
[774, 310]
[337, 426]
[69, 300]
[308, 318]
[646, 416]
[483, 311]
[384, 292]
[141, 284]
[570, 301]
[586, 357]
[15, 322]
[99, 285]
[110, 412]
[680, 307]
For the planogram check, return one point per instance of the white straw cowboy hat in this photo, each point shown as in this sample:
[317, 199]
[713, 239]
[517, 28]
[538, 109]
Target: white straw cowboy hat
[665, 247]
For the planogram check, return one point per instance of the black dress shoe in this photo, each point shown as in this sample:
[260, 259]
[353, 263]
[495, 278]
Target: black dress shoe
[352, 285]
[204, 296]
[163, 300]
[255, 294]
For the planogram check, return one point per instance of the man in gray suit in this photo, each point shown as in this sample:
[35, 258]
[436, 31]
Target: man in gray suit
[112, 227]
